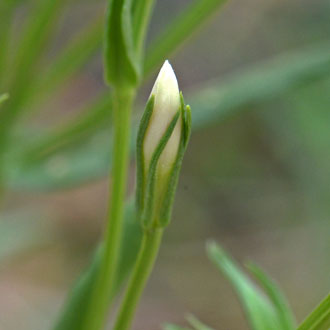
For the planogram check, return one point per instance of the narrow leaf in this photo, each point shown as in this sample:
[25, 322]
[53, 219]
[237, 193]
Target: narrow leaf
[121, 63]
[197, 324]
[36, 36]
[260, 83]
[258, 309]
[319, 319]
[142, 10]
[275, 295]
[91, 119]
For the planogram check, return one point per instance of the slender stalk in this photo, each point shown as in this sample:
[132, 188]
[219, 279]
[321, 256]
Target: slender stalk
[98, 305]
[142, 269]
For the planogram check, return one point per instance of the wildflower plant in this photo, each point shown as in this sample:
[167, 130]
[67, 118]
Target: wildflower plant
[163, 135]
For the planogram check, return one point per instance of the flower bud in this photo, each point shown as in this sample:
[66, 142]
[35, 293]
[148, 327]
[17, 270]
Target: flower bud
[166, 105]
[162, 139]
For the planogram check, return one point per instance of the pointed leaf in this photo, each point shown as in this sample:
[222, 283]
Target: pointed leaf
[197, 324]
[121, 63]
[275, 295]
[319, 319]
[258, 309]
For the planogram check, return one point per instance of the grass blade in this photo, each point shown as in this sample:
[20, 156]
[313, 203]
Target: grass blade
[258, 309]
[33, 43]
[319, 319]
[197, 324]
[282, 307]
[142, 10]
[92, 118]
[260, 83]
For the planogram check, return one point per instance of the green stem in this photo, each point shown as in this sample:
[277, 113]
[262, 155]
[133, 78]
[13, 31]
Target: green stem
[143, 267]
[98, 305]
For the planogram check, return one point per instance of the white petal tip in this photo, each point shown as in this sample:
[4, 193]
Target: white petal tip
[166, 80]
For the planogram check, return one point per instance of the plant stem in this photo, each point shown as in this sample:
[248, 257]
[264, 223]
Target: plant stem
[98, 305]
[142, 269]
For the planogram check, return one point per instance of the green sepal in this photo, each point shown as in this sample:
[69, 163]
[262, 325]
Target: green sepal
[166, 209]
[140, 173]
[187, 121]
[146, 181]
[147, 216]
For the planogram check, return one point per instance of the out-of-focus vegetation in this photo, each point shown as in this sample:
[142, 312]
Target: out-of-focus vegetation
[256, 176]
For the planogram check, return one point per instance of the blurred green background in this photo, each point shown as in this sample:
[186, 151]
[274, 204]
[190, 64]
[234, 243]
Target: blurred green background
[255, 177]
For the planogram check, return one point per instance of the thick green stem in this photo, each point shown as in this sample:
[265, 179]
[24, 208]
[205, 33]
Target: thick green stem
[98, 306]
[143, 267]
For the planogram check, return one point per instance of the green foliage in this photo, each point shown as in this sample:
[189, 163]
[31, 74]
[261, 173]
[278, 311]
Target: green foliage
[197, 324]
[34, 39]
[319, 319]
[212, 104]
[261, 83]
[91, 119]
[74, 310]
[79, 151]
[284, 314]
[259, 310]
[141, 10]
[154, 194]
[150, 198]
[122, 67]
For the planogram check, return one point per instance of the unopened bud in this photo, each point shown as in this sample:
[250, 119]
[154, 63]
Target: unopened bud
[162, 139]
[166, 106]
